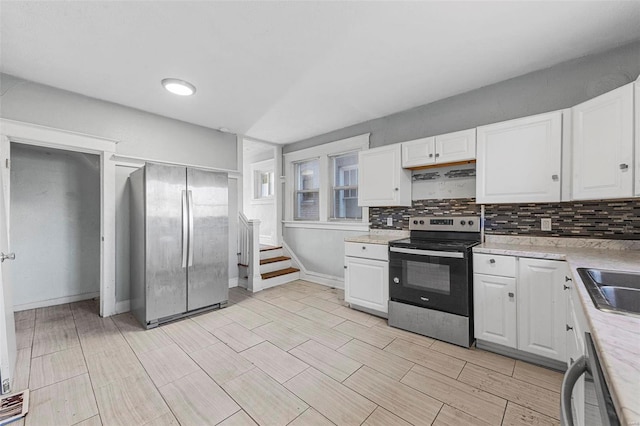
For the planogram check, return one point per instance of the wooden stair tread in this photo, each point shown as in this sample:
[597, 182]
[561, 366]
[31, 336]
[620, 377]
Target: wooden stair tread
[273, 260]
[277, 273]
[242, 264]
[270, 248]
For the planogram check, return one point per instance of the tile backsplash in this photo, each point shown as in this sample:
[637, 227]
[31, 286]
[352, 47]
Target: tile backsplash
[611, 219]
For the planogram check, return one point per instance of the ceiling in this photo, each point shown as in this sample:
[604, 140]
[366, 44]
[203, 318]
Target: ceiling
[285, 71]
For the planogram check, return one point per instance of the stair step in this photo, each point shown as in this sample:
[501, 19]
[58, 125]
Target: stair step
[242, 264]
[268, 248]
[277, 273]
[274, 259]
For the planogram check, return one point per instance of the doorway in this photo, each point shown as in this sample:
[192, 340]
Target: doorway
[54, 225]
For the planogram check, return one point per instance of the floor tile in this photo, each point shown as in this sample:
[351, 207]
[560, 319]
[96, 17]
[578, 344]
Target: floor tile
[96, 339]
[189, 335]
[326, 360]
[24, 338]
[197, 400]
[288, 304]
[543, 377]
[63, 403]
[414, 338]
[319, 316]
[311, 418]
[327, 336]
[514, 390]
[28, 315]
[516, 415]
[398, 398]
[56, 367]
[264, 399]
[379, 360]
[332, 399]
[288, 319]
[495, 362]
[237, 337]
[283, 337]
[221, 362]
[93, 421]
[166, 419]
[365, 334]
[322, 304]
[56, 323]
[54, 340]
[240, 418]
[129, 401]
[382, 417]
[22, 370]
[167, 364]
[211, 320]
[274, 361]
[444, 364]
[52, 313]
[113, 364]
[449, 416]
[244, 317]
[139, 339]
[461, 396]
[357, 316]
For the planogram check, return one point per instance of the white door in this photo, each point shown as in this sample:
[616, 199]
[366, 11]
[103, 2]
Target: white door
[7, 326]
[603, 146]
[456, 146]
[367, 283]
[542, 314]
[519, 161]
[419, 152]
[494, 307]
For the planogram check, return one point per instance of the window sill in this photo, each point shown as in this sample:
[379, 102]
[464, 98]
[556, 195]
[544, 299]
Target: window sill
[265, 200]
[333, 225]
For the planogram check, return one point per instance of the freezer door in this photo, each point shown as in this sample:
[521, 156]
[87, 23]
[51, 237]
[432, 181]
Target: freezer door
[166, 279]
[208, 270]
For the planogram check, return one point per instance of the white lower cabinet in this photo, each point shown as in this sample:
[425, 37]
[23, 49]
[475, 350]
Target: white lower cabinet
[542, 307]
[524, 308]
[366, 279]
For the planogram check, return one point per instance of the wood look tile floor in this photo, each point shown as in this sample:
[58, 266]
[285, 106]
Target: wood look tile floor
[291, 355]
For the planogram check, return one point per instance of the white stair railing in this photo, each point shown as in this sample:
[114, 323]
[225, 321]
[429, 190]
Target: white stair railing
[249, 251]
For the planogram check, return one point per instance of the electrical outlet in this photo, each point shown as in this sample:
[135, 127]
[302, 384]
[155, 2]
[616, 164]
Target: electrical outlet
[389, 221]
[545, 224]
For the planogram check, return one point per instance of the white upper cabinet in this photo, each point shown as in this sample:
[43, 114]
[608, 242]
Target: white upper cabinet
[420, 152]
[449, 148]
[603, 146]
[382, 181]
[519, 161]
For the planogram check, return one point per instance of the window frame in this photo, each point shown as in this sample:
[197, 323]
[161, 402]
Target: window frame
[298, 182]
[334, 188]
[259, 167]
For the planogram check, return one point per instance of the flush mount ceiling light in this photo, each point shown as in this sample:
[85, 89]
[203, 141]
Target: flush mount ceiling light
[179, 87]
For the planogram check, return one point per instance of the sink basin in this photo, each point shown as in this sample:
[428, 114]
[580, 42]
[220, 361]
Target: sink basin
[613, 291]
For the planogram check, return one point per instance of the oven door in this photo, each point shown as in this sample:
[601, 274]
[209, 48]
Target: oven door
[437, 280]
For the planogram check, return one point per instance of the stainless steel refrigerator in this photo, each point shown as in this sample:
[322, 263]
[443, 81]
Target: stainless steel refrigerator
[179, 232]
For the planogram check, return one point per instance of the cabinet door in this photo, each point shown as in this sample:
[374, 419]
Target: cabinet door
[494, 305]
[637, 142]
[457, 146]
[366, 283]
[542, 306]
[420, 152]
[520, 160]
[383, 181]
[603, 146]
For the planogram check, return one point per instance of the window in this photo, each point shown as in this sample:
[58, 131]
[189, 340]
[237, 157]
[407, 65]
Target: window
[264, 182]
[307, 190]
[344, 197]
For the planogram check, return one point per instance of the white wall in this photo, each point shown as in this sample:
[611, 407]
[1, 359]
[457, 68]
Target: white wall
[263, 210]
[55, 225]
[141, 134]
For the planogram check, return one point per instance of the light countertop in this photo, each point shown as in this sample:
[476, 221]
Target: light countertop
[377, 238]
[616, 336]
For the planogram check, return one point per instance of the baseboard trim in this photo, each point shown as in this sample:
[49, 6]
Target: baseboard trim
[323, 279]
[123, 306]
[233, 282]
[56, 301]
[522, 355]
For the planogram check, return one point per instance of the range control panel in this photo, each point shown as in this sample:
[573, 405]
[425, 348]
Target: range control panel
[445, 223]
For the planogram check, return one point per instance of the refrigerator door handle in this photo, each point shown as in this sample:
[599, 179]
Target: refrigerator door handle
[185, 229]
[190, 198]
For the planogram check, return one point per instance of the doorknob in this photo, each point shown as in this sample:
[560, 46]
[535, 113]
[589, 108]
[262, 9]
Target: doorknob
[10, 256]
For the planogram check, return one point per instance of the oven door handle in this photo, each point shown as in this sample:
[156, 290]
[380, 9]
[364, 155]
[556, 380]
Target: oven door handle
[571, 376]
[418, 252]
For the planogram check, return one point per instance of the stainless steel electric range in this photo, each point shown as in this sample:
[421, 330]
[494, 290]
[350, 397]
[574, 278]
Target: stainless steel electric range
[431, 278]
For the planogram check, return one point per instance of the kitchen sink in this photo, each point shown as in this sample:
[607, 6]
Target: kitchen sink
[613, 291]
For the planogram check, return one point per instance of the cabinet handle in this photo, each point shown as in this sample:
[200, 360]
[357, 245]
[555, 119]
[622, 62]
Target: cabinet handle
[364, 247]
[430, 155]
[492, 261]
[568, 327]
[624, 166]
[437, 155]
[345, 266]
[395, 189]
[396, 280]
[566, 287]
[511, 294]
[554, 177]
[567, 279]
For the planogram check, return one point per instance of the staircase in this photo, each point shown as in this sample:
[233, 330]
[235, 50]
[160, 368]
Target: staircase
[275, 267]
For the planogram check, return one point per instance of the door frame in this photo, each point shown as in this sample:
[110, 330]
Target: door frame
[48, 137]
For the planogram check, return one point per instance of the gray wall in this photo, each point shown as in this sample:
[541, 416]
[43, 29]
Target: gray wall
[55, 223]
[141, 134]
[560, 86]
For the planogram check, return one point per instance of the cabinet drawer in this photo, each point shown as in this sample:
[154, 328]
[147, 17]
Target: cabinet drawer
[368, 251]
[490, 264]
